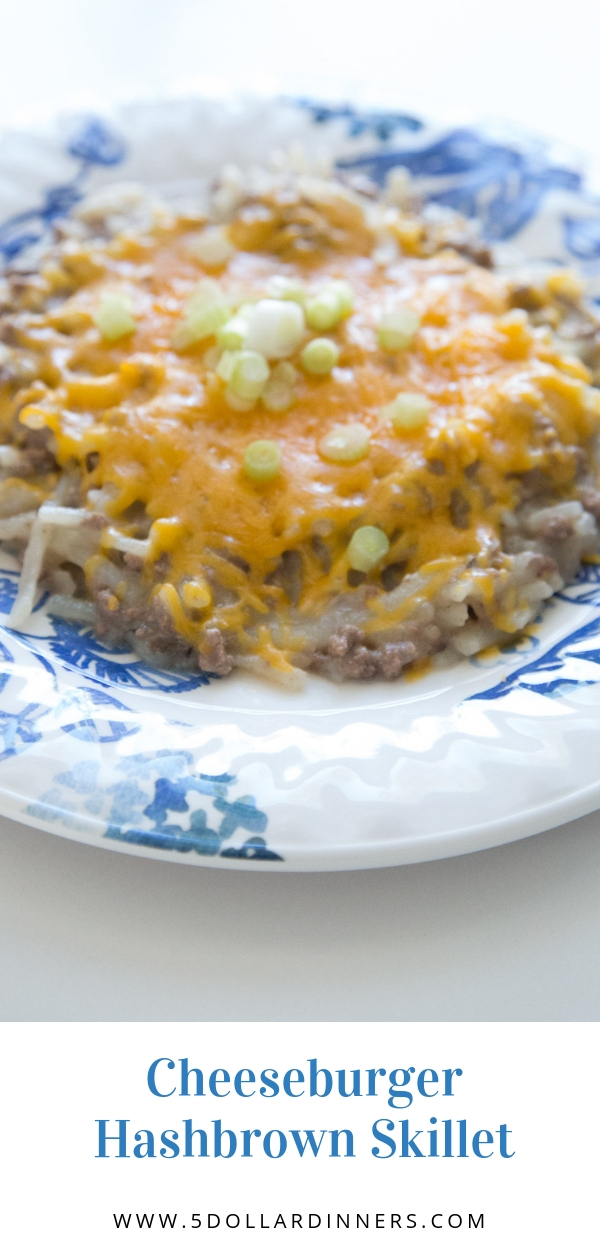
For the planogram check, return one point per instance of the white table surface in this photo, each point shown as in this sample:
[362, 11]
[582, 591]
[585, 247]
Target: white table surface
[510, 934]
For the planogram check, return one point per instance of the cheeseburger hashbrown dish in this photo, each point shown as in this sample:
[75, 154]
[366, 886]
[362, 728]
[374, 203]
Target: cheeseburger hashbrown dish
[308, 429]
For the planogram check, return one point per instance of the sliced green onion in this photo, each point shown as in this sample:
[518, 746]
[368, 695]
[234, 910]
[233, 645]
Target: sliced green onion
[211, 358]
[319, 356]
[345, 296]
[236, 403]
[208, 301]
[285, 373]
[249, 375]
[397, 329]
[286, 289]
[204, 313]
[323, 311]
[114, 317]
[407, 411]
[327, 308]
[231, 336]
[226, 363]
[275, 328]
[212, 247]
[367, 548]
[278, 397]
[345, 443]
[279, 393]
[262, 460]
[245, 310]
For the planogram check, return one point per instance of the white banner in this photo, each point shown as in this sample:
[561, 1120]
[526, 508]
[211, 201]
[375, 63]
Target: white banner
[308, 1140]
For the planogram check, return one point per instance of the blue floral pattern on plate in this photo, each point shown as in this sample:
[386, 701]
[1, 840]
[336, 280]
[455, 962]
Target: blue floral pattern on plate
[151, 787]
[95, 743]
[93, 143]
[468, 168]
[381, 124]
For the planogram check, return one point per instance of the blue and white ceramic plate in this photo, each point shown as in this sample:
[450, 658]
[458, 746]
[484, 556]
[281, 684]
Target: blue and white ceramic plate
[98, 747]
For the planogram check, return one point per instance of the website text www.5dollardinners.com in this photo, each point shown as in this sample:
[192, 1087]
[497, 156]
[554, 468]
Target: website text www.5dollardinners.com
[232, 1221]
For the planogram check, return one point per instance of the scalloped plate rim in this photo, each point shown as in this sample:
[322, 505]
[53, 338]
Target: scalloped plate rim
[100, 148]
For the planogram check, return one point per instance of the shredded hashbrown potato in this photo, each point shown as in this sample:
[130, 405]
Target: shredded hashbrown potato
[176, 549]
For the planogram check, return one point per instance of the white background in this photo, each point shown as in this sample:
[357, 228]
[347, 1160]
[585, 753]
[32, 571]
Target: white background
[504, 935]
[531, 61]
[538, 1080]
[509, 934]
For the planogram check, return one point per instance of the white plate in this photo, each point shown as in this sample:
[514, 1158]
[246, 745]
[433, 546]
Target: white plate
[101, 748]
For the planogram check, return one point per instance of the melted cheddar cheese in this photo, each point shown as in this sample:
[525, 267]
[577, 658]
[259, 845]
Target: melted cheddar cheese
[151, 426]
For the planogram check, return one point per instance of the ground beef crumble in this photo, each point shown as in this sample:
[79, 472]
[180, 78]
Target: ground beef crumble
[212, 657]
[347, 657]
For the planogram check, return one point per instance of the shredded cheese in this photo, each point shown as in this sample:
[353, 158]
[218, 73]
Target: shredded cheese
[154, 423]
